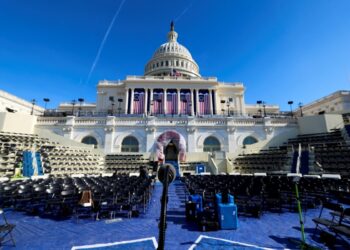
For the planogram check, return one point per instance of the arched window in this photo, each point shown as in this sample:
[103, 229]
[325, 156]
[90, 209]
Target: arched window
[249, 140]
[211, 144]
[130, 144]
[90, 140]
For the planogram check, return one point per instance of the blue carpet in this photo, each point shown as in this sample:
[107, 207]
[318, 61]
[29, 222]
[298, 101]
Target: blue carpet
[272, 230]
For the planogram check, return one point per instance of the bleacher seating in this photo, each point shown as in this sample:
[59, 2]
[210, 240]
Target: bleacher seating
[126, 163]
[322, 153]
[61, 160]
[273, 160]
[333, 159]
[331, 153]
[12, 146]
[56, 159]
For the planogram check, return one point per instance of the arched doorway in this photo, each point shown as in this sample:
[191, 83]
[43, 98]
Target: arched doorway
[171, 152]
[130, 144]
[211, 144]
[90, 140]
[170, 147]
[249, 140]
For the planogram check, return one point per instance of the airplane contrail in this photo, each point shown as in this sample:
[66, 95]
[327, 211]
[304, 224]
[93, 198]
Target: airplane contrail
[183, 12]
[103, 41]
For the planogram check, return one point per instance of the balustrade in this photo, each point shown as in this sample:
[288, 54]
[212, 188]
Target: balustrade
[163, 121]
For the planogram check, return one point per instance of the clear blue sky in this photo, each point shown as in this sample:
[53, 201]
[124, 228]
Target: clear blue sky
[280, 49]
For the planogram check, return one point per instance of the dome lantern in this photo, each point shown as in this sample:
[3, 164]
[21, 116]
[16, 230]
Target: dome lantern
[172, 35]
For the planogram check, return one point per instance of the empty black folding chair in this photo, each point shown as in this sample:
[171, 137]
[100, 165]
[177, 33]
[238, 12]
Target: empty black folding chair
[343, 228]
[328, 221]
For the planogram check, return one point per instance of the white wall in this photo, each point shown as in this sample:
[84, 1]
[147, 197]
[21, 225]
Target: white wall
[17, 123]
[63, 140]
[319, 123]
[18, 105]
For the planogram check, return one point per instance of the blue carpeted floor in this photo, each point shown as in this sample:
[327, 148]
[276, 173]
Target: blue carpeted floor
[272, 230]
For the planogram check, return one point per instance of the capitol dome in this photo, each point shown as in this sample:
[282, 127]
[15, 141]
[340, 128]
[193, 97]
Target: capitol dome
[172, 58]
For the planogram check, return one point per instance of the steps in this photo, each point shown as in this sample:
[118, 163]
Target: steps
[176, 203]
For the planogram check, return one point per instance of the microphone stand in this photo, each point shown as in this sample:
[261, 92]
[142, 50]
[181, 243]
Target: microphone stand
[164, 201]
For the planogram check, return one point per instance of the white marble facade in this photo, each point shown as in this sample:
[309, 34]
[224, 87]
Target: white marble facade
[110, 131]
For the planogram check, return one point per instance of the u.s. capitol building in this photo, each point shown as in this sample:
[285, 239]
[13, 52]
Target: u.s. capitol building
[171, 104]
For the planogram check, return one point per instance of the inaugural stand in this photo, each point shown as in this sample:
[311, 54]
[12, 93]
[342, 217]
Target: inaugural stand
[166, 175]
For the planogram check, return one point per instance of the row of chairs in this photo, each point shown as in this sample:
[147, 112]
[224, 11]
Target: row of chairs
[60, 197]
[273, 160]
[334, 137]
[331, 155]
[255, 194]
[62, 160]
[125, 163]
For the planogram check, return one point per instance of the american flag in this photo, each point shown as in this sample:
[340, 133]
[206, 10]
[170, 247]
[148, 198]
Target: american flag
[171, 103]
[174, 72]
[158, 99]
[185, 108]
[204, 104]
[139, 102]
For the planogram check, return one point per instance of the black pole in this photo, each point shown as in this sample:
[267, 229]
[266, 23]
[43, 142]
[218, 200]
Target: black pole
[301, 109]
[164, 201]
[291, 109]
[33, 104]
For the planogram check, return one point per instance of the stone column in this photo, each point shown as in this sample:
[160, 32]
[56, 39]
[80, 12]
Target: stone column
[132, 101]
[146, 101]
[178, 101]
[242, 105]
[68, 129]
[126, 100]
[165, 101]
[191, 139]
[197, 101]
[150, 138]
[237, 108]
[109, 134]
[151, 101]
[211, 101]
[217, 111]
[192, 103]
